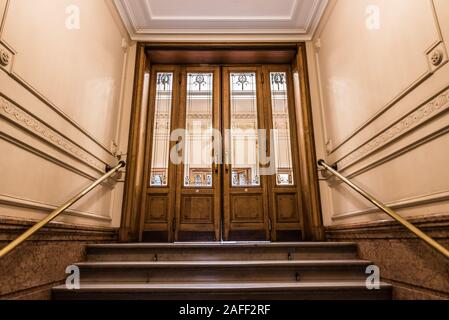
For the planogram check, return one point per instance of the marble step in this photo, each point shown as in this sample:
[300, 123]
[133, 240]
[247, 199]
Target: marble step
[222, 251]
[224, 271]
[351, 290]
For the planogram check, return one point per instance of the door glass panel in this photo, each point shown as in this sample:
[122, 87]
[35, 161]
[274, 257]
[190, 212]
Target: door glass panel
[199, 125]
[244, 130]
[281, 125]
[161, 131]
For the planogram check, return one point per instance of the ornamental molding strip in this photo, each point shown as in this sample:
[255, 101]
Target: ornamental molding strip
[410, 122]
[142, 24]
[23, 119]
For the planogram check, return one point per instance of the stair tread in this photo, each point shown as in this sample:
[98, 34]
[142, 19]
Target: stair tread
[223, 245]
[223, 263]
[256, 286]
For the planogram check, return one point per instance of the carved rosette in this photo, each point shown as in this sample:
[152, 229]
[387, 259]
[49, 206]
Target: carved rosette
[5, 58]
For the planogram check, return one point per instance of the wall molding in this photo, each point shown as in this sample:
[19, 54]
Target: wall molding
[393, 155]
[3, 17]
[46, 156]
[333, 146]
[406, 124]
[396, 205]
[213, 35]
[11, 72]
[18, 116]
[47, 208]
[56, 109]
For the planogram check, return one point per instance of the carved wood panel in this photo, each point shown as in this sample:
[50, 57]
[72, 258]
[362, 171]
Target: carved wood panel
[287, 208]
[247, 209]
[197, 209]
[157, 209]
[200, 198]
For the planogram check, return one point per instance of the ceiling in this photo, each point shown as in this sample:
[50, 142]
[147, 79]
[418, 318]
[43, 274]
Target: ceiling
[190, 20]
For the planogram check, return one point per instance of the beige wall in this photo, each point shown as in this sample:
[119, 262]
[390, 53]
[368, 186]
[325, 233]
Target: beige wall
[64, 108]
[380, 106]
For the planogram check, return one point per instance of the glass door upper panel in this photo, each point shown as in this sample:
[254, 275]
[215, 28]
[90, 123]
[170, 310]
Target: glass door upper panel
[198, 154]
[161, 130]
[282, 143]
[244, 130]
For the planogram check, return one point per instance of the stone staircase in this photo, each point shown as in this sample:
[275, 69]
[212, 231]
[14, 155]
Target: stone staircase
[231, 271]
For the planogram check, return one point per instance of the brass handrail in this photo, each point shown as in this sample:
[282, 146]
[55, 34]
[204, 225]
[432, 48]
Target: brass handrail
[431, 242]
[58, 211]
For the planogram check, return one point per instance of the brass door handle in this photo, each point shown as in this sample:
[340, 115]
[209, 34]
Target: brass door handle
[215, 165]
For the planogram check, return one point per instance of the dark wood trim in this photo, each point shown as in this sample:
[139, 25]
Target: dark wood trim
[212, 192]
[167, 191]
[219, 53]
[129, 230]
[221, 45]
[273, 187]
[314, 229]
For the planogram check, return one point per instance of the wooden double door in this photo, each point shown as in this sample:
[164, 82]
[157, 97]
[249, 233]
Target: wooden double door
[221, 155]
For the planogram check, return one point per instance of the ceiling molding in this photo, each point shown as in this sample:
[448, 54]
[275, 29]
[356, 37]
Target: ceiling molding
[140, 28]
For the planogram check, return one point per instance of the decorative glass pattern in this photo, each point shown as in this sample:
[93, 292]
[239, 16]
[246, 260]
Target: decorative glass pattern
[199, 125]
[281, 125]
[161, 130]
[244, 130]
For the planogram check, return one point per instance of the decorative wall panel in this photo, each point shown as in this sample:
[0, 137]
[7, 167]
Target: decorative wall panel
[365, 69]
[61, 102]
[380, 89]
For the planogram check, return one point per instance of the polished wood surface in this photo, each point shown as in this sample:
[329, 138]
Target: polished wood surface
[237, 56]
[249, 212]
[131, 215]
[221, 53]
[245, 208]
[158, 203]
[198, 209]
[308, 197]
[285, 201]
[314, 229]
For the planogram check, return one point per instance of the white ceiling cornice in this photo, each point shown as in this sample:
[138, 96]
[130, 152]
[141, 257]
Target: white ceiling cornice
[297, 21]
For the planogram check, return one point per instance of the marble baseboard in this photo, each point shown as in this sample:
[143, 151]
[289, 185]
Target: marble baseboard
[416, 270]
[32, 269]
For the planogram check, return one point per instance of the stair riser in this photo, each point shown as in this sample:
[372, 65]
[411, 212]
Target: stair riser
[221, 255]
[353, 294]
[242, 271]
[234, 274]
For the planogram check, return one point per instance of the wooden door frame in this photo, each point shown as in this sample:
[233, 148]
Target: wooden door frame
[131, 215]
[294, 190]
[165, 191]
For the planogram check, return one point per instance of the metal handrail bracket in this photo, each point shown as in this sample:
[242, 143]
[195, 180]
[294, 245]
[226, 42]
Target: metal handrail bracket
[11, 246]
[430, 241]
